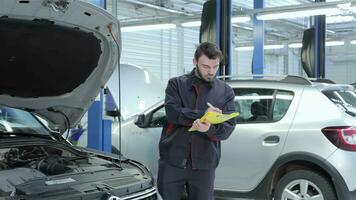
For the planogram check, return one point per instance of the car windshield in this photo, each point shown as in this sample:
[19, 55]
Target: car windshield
[18, 121]
[344, 98]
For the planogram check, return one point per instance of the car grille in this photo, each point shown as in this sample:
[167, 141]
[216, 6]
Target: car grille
[149, 194]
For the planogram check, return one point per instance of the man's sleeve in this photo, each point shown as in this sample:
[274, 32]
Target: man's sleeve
[176, 113]
[223, 131]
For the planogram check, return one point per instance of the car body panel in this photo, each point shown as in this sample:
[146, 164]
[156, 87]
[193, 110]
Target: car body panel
[247, 160]
[75, 17]
[345, 162]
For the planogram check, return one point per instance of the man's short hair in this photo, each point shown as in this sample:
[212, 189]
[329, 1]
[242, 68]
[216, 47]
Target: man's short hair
[209, 49]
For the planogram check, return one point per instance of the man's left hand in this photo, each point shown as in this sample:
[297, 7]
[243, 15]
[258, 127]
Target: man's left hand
[201, 126]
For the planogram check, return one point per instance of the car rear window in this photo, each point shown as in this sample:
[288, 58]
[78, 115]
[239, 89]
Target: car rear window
[262, 105]
[346, 99]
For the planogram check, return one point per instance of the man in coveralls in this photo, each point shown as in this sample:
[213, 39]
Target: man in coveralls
[189, 159]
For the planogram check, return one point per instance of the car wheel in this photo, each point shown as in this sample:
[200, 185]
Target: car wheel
[304, 185]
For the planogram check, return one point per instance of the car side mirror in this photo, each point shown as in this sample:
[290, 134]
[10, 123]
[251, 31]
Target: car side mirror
[140, 121]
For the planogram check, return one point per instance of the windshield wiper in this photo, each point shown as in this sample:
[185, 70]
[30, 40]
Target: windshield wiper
[6, 133]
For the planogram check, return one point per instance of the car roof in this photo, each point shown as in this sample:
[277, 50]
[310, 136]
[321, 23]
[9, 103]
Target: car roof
[288, 82]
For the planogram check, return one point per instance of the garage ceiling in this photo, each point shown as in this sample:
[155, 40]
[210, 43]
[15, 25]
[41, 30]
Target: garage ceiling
[136, 12]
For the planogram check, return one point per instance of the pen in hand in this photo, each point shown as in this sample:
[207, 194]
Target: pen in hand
[213, 108]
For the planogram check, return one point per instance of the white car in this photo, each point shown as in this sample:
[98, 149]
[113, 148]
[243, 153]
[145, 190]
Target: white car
[55, 55]
[294, 140]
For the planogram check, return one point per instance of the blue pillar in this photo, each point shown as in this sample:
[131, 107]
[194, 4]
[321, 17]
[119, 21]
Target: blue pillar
[99, 3]
[319, 45]
[95, 124]
[218, 22]
[106, 135]
[229, 54]
[258, 41]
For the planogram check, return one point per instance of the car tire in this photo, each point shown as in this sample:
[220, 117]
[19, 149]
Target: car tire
[291, 186]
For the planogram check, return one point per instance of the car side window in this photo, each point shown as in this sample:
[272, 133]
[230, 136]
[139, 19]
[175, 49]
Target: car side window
[283, 100]
[158, 118]
[261, 105]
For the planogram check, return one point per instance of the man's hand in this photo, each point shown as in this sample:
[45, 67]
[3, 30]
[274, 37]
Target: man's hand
[213, 109]
[201, 126]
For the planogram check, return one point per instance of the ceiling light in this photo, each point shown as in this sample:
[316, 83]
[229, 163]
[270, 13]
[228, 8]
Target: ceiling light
[247, 48]
[303, 10]
[297, 14]
[345, 6]
[334, 43]
[266, 47]
[240, 19]
[339, 19]
[236, 19]
[295, 45]
[191, 24]
[147, 27]
[353, 42]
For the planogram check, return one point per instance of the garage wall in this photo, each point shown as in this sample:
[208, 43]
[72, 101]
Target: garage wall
[165, 53]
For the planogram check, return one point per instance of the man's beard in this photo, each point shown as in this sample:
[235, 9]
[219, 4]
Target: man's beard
[201, 76]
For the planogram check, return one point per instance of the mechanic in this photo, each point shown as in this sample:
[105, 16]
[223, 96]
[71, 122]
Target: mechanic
[188, 159]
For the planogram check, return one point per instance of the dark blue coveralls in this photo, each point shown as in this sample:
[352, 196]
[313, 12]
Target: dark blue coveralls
[190, 158]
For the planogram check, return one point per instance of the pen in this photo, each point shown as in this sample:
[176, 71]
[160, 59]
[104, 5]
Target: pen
[209, 104]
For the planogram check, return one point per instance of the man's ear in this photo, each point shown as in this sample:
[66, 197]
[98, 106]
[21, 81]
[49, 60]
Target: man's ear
[195, 62]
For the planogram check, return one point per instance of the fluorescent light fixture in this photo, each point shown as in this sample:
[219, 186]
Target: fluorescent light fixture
[191, 24]
[297, 11]
[147, 27]
[334, 43]
[295, 45]
[266, 47]
[237, 19]
[247, 48]
[353, 42]
[344, 6]
[240, 19]
[339, 19]
[297, 14]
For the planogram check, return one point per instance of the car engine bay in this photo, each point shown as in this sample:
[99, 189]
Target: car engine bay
[43, 170]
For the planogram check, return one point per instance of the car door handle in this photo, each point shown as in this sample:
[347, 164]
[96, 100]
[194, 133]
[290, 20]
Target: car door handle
[273, 139]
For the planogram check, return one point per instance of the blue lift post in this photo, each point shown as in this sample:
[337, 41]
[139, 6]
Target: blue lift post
[258, 41]
[218, 22]
[99, 130]
[228, 66]
[95, 124]
[319, 44]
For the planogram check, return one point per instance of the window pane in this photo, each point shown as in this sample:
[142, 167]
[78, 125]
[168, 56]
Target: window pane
[255, 104]
[282, 103]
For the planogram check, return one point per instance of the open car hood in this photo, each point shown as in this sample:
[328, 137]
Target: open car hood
[55, 55]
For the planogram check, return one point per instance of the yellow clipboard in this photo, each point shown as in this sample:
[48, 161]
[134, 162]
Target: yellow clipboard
[216, 118]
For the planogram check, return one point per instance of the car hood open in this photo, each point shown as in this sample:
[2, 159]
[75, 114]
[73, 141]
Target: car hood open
[55, 55]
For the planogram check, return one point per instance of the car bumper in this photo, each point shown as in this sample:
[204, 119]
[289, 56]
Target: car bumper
[344, 162]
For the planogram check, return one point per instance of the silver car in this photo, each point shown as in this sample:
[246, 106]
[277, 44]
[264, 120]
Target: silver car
[55, 56]
[294, 139]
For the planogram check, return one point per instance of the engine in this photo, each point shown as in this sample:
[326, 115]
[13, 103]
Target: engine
[48, 160]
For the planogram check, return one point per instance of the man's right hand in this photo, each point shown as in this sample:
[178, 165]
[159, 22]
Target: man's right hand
[213, 109]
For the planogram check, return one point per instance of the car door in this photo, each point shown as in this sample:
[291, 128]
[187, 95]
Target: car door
[141, 143]
[257, 140]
